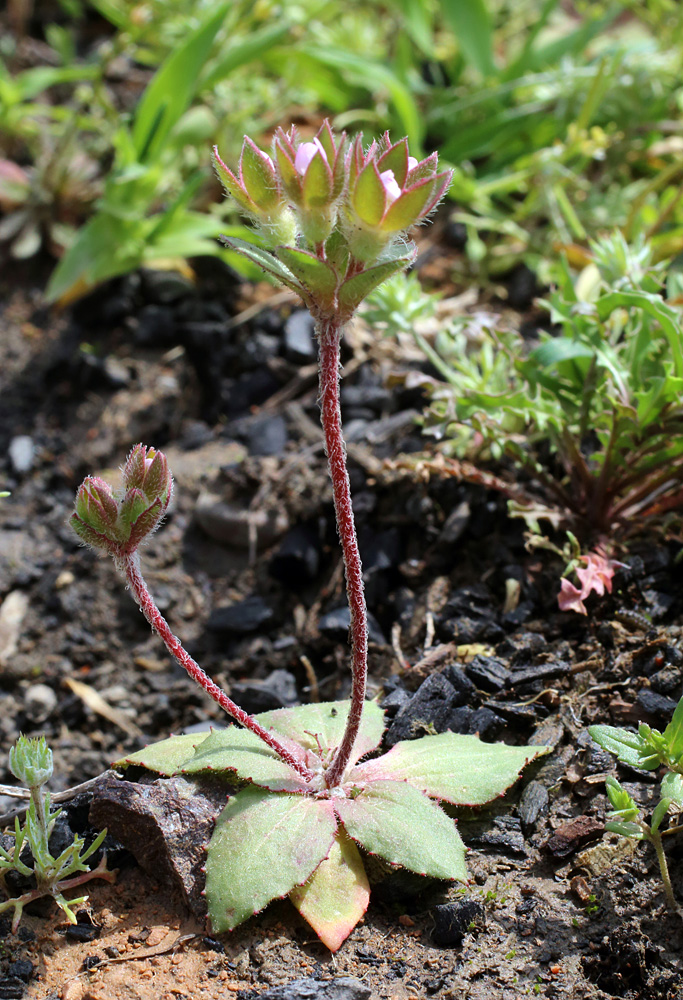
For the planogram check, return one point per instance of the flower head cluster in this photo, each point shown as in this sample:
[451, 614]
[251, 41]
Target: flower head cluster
[331, 210]
[118, 524]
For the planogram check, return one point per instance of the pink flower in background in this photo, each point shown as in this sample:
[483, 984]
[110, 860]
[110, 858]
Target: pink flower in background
[596, 575]
[570, 597]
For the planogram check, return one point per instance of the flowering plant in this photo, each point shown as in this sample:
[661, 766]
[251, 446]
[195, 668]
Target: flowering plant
[312, 794]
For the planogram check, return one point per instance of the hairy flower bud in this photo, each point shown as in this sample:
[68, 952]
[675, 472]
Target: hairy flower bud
[119, 524]
[30, 761]
[389, 191]
[258, 193]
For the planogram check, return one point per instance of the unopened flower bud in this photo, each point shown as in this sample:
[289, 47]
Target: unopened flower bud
[118, 525]
[30, 761]
[389, 191]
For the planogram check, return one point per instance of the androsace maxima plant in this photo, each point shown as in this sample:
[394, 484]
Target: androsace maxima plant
[331, 220]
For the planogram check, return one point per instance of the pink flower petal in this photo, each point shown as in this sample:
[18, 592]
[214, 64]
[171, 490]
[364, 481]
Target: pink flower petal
[570, 597]
[305, 154]
[390, 185]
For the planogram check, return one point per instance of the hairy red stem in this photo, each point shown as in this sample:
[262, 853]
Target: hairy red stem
[131, 568]
[329, 335]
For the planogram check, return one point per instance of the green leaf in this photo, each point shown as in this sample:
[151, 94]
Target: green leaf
[262, 846]
[258, 176]
[471, 24]
[266, 261]
[621, 801]
[169, 94]
[316, 275]
[403, 826]
[327, 721]
[629, 748]
[559, 349]
[660, 811]
[455, 768]
[625, 829]
[245, 50]
[654, 306]
[673, 734]
[245, 754]
[337, 895]
[166, 757]
[355, 289]
[672, 788]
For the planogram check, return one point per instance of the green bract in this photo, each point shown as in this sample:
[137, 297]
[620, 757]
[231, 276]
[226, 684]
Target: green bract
[282, 836]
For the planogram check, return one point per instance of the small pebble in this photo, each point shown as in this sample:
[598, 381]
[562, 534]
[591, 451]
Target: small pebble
[39, 702]
[22, 453]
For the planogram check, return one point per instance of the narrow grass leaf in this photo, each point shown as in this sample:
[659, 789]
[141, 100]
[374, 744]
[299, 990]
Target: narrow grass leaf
[471, 24]
[169, 94]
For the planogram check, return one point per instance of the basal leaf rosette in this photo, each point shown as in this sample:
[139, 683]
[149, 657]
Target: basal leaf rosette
[118, 523]
[282, 836]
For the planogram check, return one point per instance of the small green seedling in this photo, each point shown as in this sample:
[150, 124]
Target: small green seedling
[30, 761]
[647, 749]
[333, 219]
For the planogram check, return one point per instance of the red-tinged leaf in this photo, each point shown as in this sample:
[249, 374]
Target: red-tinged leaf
[396, 159]
[368, 196]
[326, 137]
[88, 534]
[132, 506]
[425, 168]
[317, 187]
[258, 176]
[455, 768]
[355, 289]
[337, 895]
[402, 825]
[263, 846]
[231, 183]
[240, 752]
[102, 491]
[266, 261]
[570, 598]
[325, 722]
[442, 183]
[145, 523]
[356, 160]
[408, 207]
[166, 757]
[315, 274]
[291, 181]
